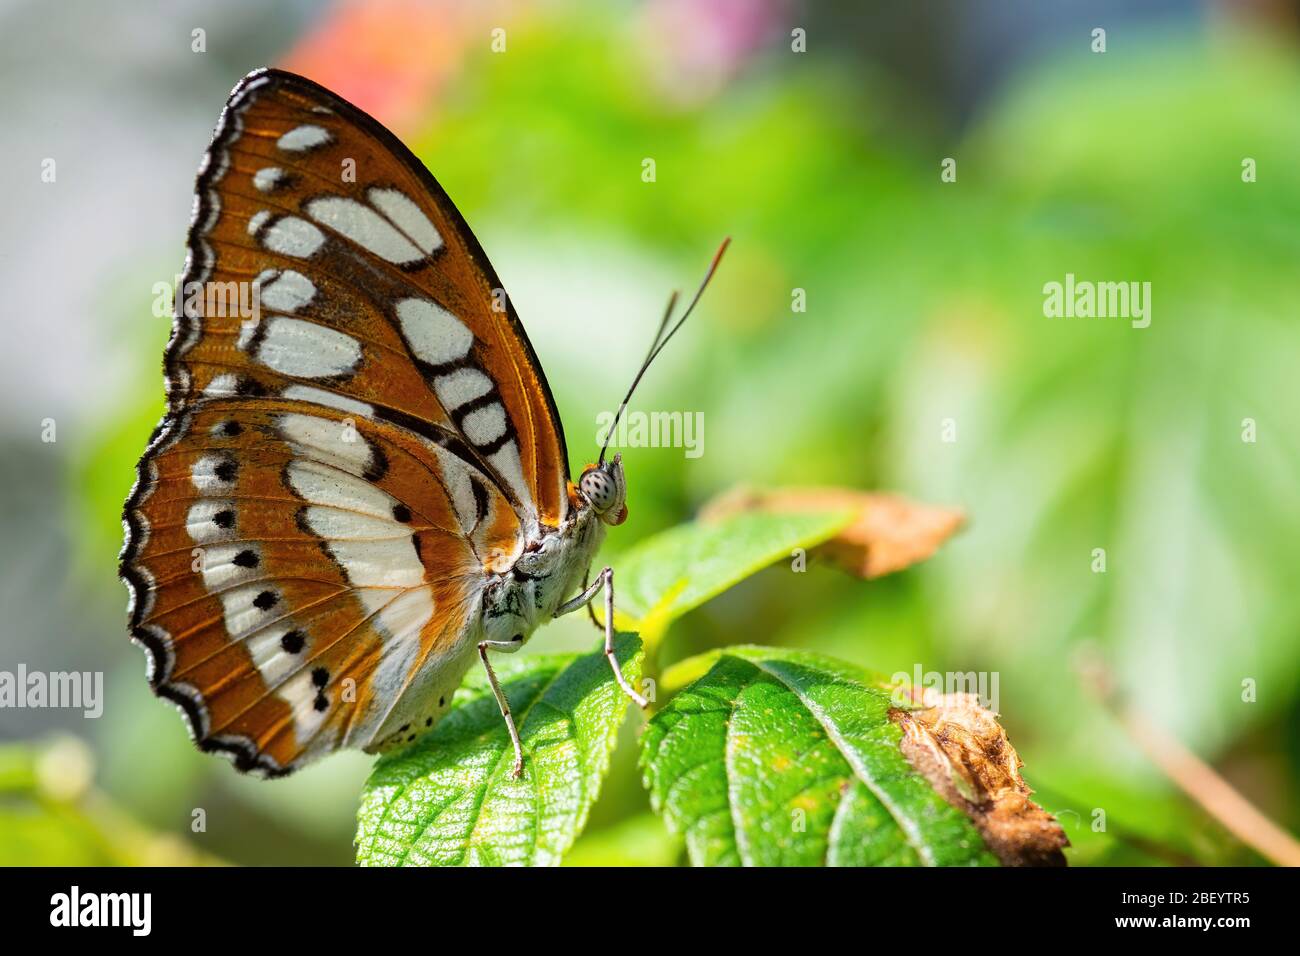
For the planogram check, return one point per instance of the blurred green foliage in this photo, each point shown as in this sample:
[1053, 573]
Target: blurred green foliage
[924, 303]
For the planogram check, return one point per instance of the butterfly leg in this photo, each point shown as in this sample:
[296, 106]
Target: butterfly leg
[605, 581]
[483, 648]
[591, 611]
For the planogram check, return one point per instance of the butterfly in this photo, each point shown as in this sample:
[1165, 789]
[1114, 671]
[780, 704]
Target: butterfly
[360, 485]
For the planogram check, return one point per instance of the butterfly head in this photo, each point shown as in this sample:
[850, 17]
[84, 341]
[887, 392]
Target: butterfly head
[605, 490]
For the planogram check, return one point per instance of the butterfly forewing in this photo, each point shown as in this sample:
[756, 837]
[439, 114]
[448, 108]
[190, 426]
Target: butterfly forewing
[342, 466]
[372, 288]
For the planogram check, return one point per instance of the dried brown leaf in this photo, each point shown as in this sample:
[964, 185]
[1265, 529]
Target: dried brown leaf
[888, 534]
[960, 747]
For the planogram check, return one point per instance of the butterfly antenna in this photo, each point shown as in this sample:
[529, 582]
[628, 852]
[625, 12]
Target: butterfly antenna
[661, 339]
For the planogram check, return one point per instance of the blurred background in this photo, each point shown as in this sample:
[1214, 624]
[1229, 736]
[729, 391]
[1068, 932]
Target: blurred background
[924, 302]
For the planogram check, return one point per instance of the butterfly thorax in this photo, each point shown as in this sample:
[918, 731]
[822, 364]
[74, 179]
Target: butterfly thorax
[548, 572]
[510, 607]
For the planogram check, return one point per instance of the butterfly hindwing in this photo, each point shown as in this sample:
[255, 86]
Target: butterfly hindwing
[340, 472]
[287, 552]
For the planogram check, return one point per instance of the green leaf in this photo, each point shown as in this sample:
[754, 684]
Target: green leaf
[786, 758]
[450, 799]
[676, 571]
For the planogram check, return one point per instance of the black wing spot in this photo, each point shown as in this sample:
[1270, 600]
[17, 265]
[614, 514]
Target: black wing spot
[250, 388]
[265, 600]
[286, 179]
[378, 466]
[480, 499]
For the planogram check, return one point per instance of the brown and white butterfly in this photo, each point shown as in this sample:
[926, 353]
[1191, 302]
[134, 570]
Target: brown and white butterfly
[363, 486]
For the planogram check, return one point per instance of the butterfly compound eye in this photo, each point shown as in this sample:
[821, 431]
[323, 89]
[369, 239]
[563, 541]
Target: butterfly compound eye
[599, 489]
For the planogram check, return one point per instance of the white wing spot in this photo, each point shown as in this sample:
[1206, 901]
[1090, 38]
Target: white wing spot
[485, 425]
[367, 549]
[455, 477]
[434, 334]
[300, 692]
[323, 485]
[461, 387]
[307, 350]
[365, 227]
[269, 657]
[245, 610]
[327, 441]
[201, 522]
[507, 464]
[291, 236]
[213, 474]
[303, 138]
[407, 216]
[222, 386]
[288, 291]
[308, 393]
[220, 569]
[267, 179]
[255, 223]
